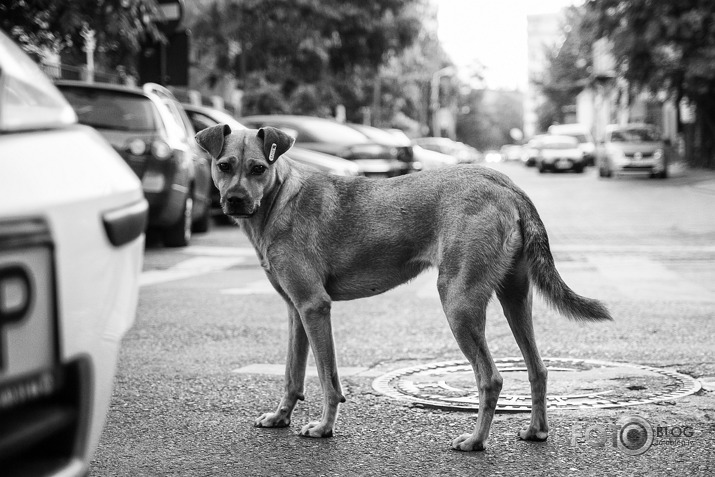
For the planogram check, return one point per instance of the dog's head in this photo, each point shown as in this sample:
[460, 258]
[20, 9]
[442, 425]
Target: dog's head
[243, 164]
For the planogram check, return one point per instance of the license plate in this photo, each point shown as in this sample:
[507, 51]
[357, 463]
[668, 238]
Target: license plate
[28, 326]
[563, 164]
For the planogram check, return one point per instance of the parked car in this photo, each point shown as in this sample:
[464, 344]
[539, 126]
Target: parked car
[511, 152]
[493, 156]
[331, 137]
[582, 134]
[530, 151]
[72, 218]
[202, 117]
[430, 160]
[560, 153]
[464, 153]
[402, 143]
[151, 132]
[632, 148]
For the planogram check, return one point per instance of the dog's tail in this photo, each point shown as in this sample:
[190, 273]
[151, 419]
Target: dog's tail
[543, 273]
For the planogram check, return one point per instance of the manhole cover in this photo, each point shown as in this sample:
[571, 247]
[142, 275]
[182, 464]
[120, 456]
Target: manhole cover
[573, 384]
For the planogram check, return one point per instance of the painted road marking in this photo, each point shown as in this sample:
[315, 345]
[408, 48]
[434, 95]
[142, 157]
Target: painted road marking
[279, 370]
[189, 268]
[258, 287]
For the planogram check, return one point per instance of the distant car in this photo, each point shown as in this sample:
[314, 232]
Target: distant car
[464, 153]
[402, 143]
[331, 137]
[430, 160]
[151, 132]
[531, 150]
[632, 148]
[72, 218]
[582, 134]
[511, 152]
[560, 153]
[202, 117]
[493, 156]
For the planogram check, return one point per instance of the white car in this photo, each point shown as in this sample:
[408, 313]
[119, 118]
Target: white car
[560, 153]
[72, 219]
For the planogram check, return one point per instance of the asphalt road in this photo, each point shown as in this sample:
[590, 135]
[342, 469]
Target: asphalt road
[204, 357]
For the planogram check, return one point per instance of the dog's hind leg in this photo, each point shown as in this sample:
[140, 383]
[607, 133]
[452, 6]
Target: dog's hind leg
[294, 375]
[515, 297]
[464, 301]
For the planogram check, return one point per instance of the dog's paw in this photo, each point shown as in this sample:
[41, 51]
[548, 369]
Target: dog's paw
[272, 419]
[530, 434]
[466, 442]
[316, 429]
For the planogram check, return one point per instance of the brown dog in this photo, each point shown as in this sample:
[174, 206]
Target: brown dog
[322, 238]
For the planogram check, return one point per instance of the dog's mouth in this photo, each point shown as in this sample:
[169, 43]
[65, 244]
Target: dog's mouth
[240, 215]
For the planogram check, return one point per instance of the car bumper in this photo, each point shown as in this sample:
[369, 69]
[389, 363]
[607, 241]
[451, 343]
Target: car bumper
[84, 294]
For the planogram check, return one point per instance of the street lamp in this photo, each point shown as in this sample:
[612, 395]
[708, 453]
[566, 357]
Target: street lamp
[434, 94]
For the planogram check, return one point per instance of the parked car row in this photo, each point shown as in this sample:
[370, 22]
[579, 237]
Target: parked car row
[150, 130]
[629, 148]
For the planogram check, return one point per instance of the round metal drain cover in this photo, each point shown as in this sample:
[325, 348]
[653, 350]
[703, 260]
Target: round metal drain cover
[573, 384]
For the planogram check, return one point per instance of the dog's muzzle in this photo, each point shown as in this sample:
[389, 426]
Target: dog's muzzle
[237, 207]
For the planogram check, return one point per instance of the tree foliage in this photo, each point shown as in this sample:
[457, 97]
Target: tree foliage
[335, 46]
[663, 45]
[568, 67]
[57, 25]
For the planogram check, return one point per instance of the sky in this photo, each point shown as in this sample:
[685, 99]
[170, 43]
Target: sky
[493, 32]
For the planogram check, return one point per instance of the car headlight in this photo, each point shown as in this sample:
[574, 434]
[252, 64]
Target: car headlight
[136, 147]
[658, 155]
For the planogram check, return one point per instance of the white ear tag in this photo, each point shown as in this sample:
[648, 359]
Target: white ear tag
[272, 154]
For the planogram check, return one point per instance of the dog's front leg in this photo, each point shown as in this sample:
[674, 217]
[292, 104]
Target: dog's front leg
[315, 313]
[294, 374]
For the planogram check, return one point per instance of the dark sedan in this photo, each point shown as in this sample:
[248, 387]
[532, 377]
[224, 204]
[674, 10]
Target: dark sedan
[331, 137]
[151, 132]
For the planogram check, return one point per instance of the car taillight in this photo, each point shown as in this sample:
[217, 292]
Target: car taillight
[160, 150]
[137, 147]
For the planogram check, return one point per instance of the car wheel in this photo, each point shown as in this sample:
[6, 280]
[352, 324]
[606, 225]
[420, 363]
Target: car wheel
[578, 169]
[659, 175]
[541, 168]
[179, 233]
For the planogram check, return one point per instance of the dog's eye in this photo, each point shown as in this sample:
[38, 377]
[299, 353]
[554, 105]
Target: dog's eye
[258, 170]
[223, 166]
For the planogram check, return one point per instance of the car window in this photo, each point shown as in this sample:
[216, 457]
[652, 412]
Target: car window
[327, 131]
[200, 121]
[635, 135]
[112, 110]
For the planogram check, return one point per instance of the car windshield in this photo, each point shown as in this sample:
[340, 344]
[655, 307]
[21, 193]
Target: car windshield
[112, 110]
[559, 142]
[326, 131]
[634, 135]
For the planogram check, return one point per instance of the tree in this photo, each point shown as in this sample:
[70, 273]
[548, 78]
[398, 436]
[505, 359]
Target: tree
[57, 25]
[334, 45]
[666, 46]
[568, 68]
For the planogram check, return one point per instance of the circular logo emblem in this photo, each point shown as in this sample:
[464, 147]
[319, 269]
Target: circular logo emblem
[635, 435]
[573, 384]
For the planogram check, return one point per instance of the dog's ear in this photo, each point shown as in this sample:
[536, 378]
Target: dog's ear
[275, 143]
[211, 139]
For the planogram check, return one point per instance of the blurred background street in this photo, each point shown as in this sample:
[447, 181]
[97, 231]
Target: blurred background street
[603, 111]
